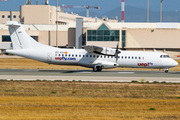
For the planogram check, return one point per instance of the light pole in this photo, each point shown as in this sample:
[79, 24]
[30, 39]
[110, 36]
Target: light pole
[147, 11]
[56, 23]
[161, 12]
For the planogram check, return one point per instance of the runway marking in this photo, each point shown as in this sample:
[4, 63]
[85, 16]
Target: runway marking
[126, 72]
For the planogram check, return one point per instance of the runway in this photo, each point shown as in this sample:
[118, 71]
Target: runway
[88, 75]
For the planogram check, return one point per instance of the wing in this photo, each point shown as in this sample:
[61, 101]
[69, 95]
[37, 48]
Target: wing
[100, 50]
[92, 49]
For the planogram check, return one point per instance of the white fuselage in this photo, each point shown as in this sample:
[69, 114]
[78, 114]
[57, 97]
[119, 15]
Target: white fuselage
[134, 59]
[94, 57]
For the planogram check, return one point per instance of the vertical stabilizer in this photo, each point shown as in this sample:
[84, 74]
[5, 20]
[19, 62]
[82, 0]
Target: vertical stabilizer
[20, 39]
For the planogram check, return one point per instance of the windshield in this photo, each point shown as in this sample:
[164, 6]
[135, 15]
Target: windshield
[164, 56]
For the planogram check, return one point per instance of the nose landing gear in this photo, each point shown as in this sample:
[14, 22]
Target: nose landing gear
[166, 70]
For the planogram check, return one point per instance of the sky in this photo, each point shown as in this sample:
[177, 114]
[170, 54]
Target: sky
[105, 5]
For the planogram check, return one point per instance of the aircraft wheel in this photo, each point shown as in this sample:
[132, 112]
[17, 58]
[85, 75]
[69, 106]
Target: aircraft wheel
[97, 68]
[166, 70]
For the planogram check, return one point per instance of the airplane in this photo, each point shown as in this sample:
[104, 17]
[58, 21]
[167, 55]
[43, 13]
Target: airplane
[94, 57]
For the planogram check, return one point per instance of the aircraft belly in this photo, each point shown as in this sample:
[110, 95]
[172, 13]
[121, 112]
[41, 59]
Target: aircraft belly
[85, 63]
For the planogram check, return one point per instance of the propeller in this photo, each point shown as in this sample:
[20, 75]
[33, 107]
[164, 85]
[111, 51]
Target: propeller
[117, 52]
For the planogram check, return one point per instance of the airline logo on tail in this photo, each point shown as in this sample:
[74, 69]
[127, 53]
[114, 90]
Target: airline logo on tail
[145, 64]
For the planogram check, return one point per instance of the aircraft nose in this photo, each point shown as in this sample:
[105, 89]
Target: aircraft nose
[175, 63]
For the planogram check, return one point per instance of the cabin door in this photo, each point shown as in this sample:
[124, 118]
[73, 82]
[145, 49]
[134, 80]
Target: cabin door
[49, 57]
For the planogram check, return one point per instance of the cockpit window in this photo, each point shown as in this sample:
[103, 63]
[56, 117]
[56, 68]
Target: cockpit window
[164, 56]
[167, 56]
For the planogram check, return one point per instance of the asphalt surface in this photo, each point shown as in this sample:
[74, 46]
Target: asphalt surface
[88, 75]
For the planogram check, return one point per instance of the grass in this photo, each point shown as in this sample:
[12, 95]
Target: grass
[87, 100]
[18, 63]
[41, 108]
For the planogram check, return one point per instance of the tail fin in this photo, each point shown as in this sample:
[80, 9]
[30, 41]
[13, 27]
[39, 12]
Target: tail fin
[20, 39]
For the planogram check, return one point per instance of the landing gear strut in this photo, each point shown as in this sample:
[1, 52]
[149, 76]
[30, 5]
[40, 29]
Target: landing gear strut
[97, 68]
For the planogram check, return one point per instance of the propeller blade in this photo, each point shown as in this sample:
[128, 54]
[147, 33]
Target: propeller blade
[117, 52]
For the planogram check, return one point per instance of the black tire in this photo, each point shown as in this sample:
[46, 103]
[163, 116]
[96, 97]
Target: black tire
[99, 68]
[166, 71]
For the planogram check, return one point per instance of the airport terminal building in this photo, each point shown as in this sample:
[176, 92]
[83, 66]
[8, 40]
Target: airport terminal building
[47, 26]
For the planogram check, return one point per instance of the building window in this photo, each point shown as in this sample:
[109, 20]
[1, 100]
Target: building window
[123, 38]
[35, 37]
[103, 35]
[8, 16]
[14, 16]
[6, 38]
[3, 16]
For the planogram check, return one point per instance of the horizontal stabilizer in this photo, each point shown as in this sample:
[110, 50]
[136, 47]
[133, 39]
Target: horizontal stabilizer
[13, 23]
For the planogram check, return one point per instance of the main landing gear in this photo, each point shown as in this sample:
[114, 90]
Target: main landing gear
[97, 68]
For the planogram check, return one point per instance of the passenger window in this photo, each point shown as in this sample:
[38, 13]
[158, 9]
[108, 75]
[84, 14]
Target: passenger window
[118, 56]
[66, 55]
[83, 55]
[69, 55]
[129, 57]
[62, 54]
[111, 56]
[132, 57]
[122, 57]
[101, 56]
[104, 56]
[72, 55]
[79, 55]
[94, 56]
[59, 54]
[90, 55]
[97, 56]
[76, 55]
[139, 57]
[108, 56]
[135, 57]
[86, 55]
[125, 57]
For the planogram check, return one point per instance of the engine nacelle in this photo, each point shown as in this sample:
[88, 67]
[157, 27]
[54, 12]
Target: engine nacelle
[108, 65]
[109, 51]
